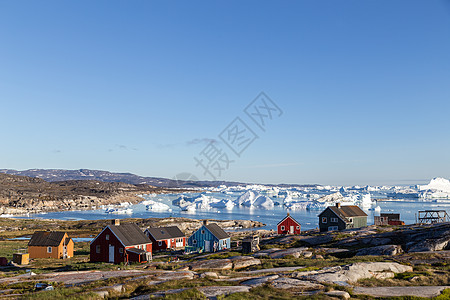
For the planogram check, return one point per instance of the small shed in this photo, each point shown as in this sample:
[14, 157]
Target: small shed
[250, 244]
[21, 258]
[3, 261]
[388, 219]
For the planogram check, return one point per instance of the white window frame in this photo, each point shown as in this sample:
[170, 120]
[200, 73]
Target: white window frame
[203, 231]
[107, 237]
[324, 220]
[49, 249]
[332, 228]
[333, 220]
[194, 242]
[350, 220]
[120, 250]
[282, 228]
[298, 227]
[159, 243]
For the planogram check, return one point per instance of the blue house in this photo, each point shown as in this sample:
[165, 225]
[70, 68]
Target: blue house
[210, 238]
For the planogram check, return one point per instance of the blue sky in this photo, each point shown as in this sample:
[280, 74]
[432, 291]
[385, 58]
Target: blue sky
[141, 86]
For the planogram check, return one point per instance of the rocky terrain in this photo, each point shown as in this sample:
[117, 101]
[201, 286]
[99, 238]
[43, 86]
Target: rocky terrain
[309, 266]
[21, 194]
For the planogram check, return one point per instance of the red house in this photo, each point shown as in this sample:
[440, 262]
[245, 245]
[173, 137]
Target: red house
[288, 226]
[121, 244]
[166, 238]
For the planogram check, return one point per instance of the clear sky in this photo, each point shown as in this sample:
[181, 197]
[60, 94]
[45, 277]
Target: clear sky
[142, 86]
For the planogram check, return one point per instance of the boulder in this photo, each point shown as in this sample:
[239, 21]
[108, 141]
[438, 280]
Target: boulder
[212, 264]
[354, 272]
[259, 280]
[318, 240]
[211, 292]
[295, 252]
[209, 275]
[176, 275]
[266, 252]
[340, 294]
[240, 262]
[381, 250]
[292, 283]
[307, 254]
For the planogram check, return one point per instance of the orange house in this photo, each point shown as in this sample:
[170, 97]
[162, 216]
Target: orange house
[50, 244]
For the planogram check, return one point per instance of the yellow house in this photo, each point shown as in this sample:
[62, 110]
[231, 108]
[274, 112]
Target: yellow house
[50, 244]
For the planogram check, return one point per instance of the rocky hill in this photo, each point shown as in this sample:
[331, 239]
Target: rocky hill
[21, 194]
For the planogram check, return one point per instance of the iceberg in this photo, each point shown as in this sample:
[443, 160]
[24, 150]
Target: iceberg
[247, 198]
[437, 188]
[157, 206]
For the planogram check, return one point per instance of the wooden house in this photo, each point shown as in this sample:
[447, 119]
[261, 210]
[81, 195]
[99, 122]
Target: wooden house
[342, 217]
[50, 244]
[388, 219]
[121, 244]
[288, 226]
[164, 238]
[210, 238]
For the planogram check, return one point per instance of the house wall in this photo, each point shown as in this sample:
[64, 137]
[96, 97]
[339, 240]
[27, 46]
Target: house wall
[328, 213]
[57, 251]
[227, 245]
[201, 238]
[287, 223]
[103, 256]
[165, 244]
[359, 222]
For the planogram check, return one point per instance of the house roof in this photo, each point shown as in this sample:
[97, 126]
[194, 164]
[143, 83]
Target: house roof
[288, 216]
[217, 231]
[164, 233]
[47, 238]
[130, 234]
[136, 250]
[347, 211]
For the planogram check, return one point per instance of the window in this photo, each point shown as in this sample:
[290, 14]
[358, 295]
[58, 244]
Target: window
[49, 249]
[203, 231]
[159, 243]
[194, 242]
[107, 237]
[282, 228]
[331, 228]
[324, 219]
[224, 242]
[334, 220]
[350, 220]
[298, 227]
[120, 250]
[173, 240]
[97, 249]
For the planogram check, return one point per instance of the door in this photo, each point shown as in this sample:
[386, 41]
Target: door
[292, 229]
[207, 246]
[111, 253]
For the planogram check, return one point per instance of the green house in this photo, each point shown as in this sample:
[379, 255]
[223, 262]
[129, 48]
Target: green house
[342, 217]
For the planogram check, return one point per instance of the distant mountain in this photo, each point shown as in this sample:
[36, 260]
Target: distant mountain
[52, 175]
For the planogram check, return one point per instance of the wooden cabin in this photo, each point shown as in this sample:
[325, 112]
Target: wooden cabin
[50, 244]
[164, 238]
[288, 226]
[210, 238]
[121, 244]
[342, 217]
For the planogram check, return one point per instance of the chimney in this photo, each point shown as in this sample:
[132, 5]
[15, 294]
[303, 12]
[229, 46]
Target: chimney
[288, 214]
[338, 204]
[115, 222]
[205, 222]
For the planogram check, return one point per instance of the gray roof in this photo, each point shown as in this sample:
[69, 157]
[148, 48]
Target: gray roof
[136, 250]
[47, 238]
[164, 233]
[130, 234]
[217, 231]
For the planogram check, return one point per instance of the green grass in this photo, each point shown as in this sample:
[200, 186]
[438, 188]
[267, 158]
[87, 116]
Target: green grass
[222, 255]
[8, 248]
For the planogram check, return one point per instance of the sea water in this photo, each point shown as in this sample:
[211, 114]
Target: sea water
[407, 209]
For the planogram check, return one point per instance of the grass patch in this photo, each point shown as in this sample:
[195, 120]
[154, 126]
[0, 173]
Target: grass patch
[222, 255]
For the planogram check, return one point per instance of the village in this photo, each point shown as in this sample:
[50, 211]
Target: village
[343, 258]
